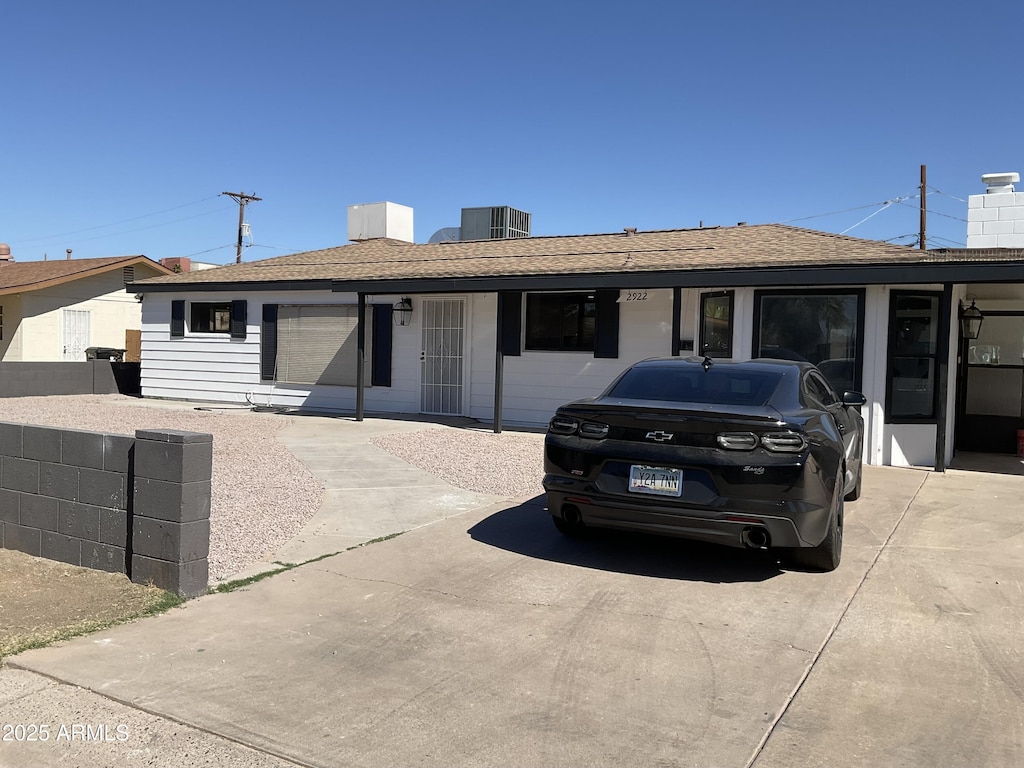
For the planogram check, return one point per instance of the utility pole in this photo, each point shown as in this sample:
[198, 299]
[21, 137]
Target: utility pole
[924, 209]
[242, 199]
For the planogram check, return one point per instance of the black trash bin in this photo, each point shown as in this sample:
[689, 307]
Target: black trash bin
[105, 353]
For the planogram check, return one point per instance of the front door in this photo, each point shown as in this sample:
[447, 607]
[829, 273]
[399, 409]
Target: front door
[991, 383]
[76, 334]
[442, 356]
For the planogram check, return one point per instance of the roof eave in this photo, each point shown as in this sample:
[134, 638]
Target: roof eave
[92, 272]
[319, 284]
[922, 273]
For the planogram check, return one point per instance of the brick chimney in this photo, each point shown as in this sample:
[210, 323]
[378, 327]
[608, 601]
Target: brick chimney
[996, 218]
[178, 263]
[5, 254]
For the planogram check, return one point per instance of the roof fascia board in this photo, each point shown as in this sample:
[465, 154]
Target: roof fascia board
[221, 287]
[874, 274]
[908, 274]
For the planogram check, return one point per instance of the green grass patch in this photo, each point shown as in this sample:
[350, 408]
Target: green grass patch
[163, 602]
[231, 586]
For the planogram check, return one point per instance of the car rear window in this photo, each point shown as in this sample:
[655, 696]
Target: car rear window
[718, 386]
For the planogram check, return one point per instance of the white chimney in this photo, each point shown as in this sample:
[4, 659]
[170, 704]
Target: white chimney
[1000, 182]
[375, 220]
[996, 218]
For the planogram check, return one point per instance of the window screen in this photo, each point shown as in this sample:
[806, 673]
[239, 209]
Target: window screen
[318, 344]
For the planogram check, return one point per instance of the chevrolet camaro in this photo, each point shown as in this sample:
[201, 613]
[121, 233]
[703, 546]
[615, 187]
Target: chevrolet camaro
[758, 454]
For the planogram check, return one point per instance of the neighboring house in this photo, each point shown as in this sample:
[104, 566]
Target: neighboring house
[55, 310]
[507, 330]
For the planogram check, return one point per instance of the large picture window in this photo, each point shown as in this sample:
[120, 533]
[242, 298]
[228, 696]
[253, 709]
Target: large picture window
[561, 321]
[913, 356]
[822, 327]
[318, 344]
[716, 324]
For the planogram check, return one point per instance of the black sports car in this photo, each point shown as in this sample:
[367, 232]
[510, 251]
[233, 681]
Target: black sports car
[755, 454]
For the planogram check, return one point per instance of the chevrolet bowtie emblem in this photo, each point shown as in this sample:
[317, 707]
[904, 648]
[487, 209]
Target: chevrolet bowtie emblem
[659, 436]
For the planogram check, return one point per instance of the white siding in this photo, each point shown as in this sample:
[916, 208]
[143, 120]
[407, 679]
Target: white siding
[216, 368]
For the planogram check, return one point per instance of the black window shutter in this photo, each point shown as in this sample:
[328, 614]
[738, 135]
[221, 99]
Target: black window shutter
[511, 323]
[238, 318]
[380, 365]
[177, 318]
[606, 331]
[268, 343]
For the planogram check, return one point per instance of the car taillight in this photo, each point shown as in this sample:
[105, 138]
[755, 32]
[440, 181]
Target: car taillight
[784, 442]
[737, 441]
[593, 430]
[563, 425]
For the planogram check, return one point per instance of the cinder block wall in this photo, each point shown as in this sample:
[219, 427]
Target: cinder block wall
[135, 505]
[91, 377]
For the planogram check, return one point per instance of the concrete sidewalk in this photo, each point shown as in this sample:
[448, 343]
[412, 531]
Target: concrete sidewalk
[486, 639]
[368, 493]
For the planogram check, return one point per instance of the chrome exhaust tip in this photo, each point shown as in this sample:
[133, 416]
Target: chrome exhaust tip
[756, 538]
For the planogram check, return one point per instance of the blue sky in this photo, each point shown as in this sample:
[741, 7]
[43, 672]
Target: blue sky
[125, 120]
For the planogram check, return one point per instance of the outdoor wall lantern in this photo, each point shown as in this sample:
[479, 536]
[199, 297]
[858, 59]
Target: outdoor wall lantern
[402, 311]
[970, 321]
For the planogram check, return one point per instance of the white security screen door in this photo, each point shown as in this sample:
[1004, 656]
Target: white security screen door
[442, 356]
[76, 333]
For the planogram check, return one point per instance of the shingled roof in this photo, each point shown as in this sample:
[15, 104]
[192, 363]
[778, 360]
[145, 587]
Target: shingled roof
[24, 276]
[767, 246]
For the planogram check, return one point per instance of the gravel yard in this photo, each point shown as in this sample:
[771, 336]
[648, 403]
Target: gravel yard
[506, 464]
[262, 495]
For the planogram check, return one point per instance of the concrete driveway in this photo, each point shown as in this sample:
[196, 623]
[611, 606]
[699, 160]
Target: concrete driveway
[486, 639]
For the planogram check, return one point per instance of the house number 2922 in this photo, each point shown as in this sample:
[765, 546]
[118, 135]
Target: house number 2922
[636, 295]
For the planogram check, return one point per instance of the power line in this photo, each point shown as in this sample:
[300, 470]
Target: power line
[884, 206]
[937, 213]
[115, 223]
[945, 194]
[953, 243]
[278, 248]
[835, 213]
[208, 250]
[151, 226]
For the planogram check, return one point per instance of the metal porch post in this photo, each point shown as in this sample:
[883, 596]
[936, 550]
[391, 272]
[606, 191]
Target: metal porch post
[945, 308]
[499, 362]
[360, 354]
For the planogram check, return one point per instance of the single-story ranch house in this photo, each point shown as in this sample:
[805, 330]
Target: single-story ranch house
[55, 310]
[504, 331]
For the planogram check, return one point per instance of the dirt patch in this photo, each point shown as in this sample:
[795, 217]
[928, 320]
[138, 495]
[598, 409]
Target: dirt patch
[42, 601]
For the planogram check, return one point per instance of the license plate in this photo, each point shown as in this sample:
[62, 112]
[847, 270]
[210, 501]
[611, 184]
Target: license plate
[659, 481]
